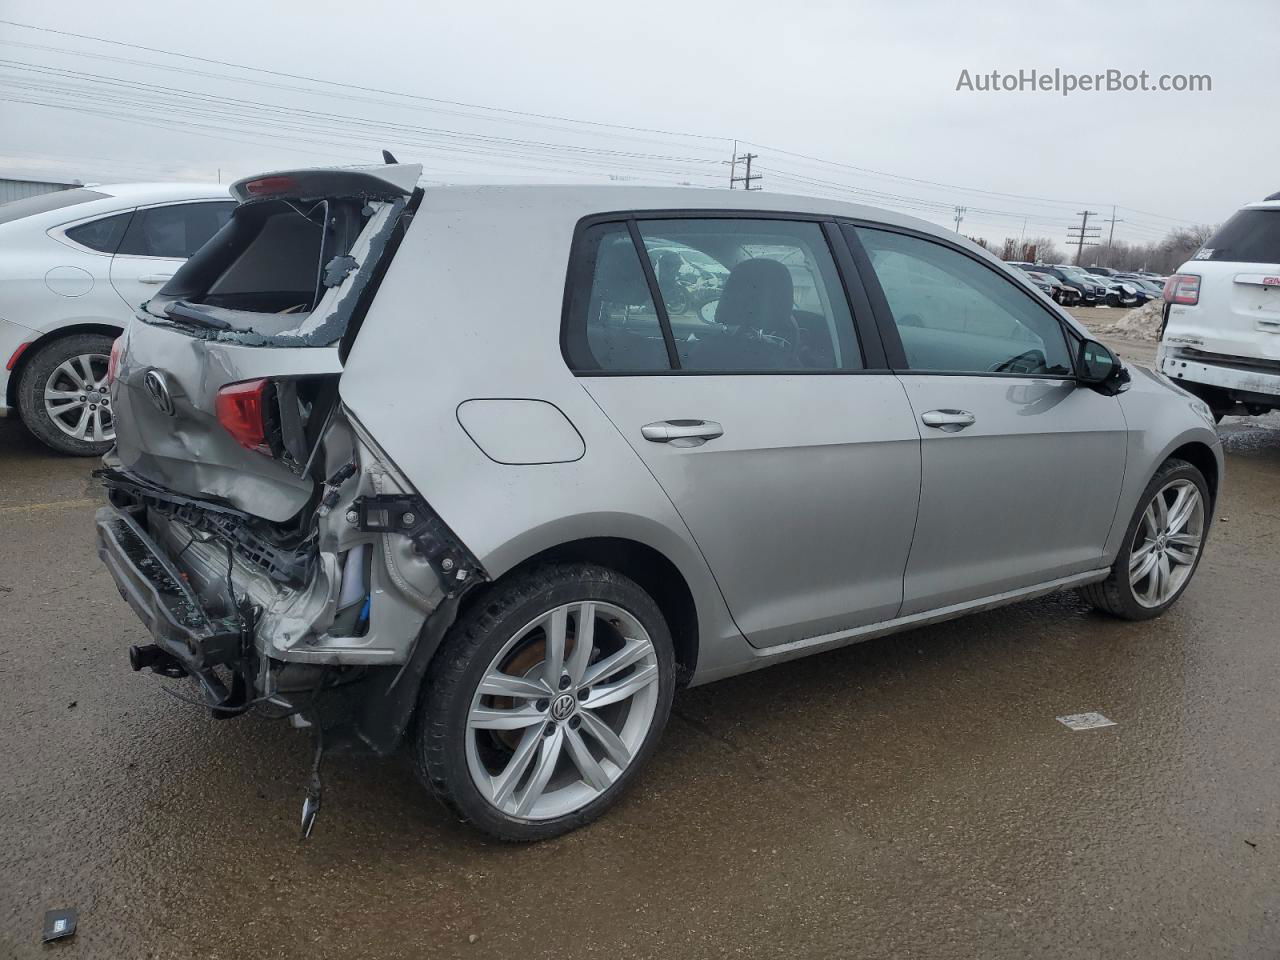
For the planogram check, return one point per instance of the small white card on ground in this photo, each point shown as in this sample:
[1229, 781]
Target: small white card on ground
[1085, 721]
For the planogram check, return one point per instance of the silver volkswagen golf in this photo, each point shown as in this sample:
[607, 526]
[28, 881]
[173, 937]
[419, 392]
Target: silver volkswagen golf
[493, 471]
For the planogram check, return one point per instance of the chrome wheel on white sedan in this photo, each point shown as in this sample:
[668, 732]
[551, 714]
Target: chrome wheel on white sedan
[76, 398]
[62, 393]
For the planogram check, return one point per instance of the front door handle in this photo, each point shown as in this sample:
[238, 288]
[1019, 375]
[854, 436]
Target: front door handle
[684, 433]
[948, 420]
[154, 277]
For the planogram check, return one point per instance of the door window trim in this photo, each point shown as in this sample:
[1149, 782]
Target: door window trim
[59, 233]
[865, 328]
[888, 328]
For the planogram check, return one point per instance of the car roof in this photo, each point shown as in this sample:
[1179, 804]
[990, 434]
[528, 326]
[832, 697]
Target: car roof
[157, 192]
[593, 199]
[1263, 205]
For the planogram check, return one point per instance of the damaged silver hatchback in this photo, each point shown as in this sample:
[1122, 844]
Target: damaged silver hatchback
[494, 470]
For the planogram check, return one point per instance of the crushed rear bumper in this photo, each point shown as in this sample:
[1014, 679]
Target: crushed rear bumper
[157, 592]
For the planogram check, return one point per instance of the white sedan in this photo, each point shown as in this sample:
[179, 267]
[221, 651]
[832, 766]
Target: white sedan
[74, 266]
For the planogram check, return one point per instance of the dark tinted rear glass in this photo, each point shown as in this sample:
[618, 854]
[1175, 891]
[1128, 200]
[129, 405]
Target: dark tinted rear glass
[103, 235]
[175, 231]
[1251, 236]
[43, 203]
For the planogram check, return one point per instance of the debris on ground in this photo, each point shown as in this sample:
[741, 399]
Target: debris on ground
[1085, 721]
[58, 924]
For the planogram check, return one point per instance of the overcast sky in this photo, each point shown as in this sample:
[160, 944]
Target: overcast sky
[866, 93]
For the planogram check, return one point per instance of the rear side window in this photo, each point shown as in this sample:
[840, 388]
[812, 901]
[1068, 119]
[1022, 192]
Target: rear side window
[1251, 236]
[955, 315]
[175, 231]
[614, 325]
[103, 235]
[44, 202]
[736, 295]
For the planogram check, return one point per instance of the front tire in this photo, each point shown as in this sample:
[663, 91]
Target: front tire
[62, 395]
[1162, 546]
[528, 734]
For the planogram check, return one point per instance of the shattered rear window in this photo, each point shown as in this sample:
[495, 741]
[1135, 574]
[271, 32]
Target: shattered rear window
[282, 272]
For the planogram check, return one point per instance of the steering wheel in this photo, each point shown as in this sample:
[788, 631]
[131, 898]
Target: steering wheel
[1032, 361]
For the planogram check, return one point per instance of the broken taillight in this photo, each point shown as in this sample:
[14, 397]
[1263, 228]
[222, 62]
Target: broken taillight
[1182, 288]
[242, 411]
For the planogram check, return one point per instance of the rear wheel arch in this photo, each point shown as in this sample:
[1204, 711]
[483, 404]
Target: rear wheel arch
[651, 570]
[11, 390]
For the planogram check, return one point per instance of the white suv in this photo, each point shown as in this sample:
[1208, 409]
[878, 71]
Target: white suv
[74, 266]
[1221, 335]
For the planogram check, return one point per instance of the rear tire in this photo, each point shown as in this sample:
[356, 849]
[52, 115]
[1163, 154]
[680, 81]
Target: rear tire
[54, 380]
[525, 755]
[1171, 548]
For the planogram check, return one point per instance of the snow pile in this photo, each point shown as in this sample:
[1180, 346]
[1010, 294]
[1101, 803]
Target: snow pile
[1140, 323]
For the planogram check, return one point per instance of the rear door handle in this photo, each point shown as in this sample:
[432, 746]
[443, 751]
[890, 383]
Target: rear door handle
[948, 420]
[154, 277]
[685, 433]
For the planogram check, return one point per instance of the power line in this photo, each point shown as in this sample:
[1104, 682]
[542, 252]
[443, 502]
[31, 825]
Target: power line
[512, 115]
[353, 86]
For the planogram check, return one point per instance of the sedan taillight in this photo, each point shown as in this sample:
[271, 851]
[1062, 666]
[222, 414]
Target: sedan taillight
[1182, 288]
[242, 411]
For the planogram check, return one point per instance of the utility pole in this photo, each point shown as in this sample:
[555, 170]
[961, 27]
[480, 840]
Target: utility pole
[1081, 233]
[960, 212]
[1112, 235]
[746, 179]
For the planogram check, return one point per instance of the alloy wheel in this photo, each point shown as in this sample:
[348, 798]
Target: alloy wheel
[561, 710]
[77, 400]
[1167, 543]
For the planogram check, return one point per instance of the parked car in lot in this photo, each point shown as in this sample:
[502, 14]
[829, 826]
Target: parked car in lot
[1092, 291]
[1052, 287]
[1120, 293]
[74, 266]
[358, 481]
[1221, 332]
[1153, 289]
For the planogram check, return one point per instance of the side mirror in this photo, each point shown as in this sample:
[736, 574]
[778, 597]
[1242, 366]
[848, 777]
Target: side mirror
[1098, 367]
[708, 311]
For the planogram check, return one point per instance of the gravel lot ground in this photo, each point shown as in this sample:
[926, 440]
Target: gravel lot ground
[908, 797]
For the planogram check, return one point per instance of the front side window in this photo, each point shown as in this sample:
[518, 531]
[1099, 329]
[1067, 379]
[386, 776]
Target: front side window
[175, 231]
[955, 315]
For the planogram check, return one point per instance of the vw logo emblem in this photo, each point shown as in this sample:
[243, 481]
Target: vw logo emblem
[563, 706]
[158, 390]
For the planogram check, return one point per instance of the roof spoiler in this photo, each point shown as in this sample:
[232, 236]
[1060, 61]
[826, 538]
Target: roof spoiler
[385, 182]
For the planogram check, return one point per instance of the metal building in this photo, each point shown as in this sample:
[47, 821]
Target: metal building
[17, 189]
